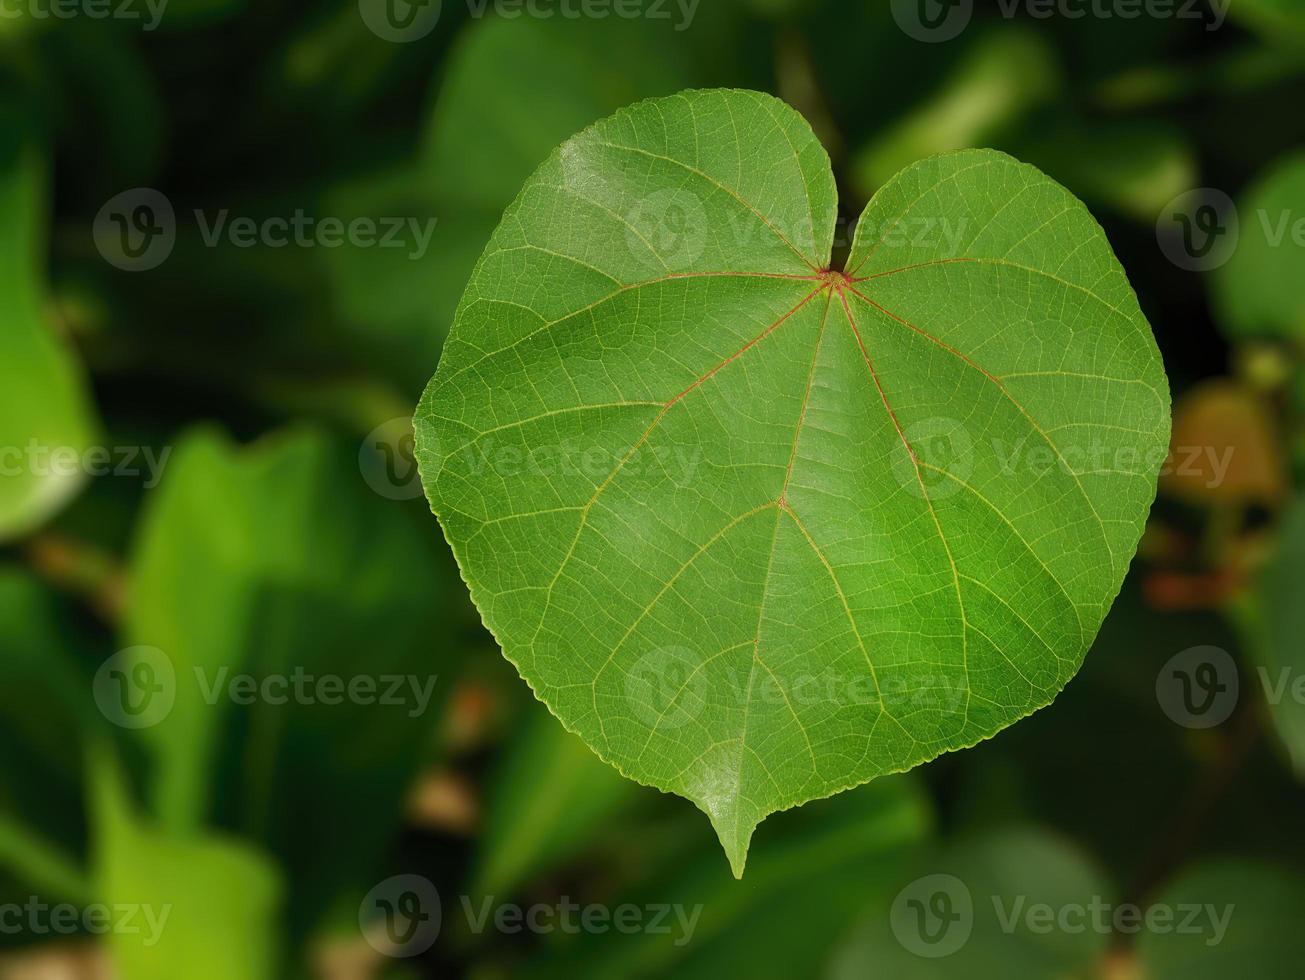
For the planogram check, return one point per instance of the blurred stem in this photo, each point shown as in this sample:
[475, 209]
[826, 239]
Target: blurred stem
[1246, 70]
[41, 864]
[83, 570]
[359, 404]
[1184, 831]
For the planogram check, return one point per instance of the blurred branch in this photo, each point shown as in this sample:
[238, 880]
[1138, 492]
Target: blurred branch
[1181, 834]
[41, 864]
[1246, 70]
[82, 570]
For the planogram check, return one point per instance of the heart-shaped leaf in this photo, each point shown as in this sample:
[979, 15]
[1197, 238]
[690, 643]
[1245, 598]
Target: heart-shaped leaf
[759, 531]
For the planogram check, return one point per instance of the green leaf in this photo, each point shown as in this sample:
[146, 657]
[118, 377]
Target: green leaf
[203, 907]
[1260, 291]
[277, 562]
[994, 889]
[45, 416]
[1257, 934]
[758, 531]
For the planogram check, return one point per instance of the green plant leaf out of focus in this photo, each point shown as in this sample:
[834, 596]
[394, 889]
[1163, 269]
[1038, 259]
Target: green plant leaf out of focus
[1003, 78]
[206, 904]
[1260, 291]
[491, 91]
[276, 560]
[759, 530]
[1254, 912]
[46, 421]
[992, 880]
[1277, 620]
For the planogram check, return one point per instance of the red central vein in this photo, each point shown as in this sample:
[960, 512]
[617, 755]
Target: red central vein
[697, 383]
[703, 378]
[874, 375]
[928, 336]
[910, 268]
[740, 275]
[802, 413]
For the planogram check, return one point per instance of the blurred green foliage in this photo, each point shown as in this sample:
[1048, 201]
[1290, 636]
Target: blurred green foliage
[279, 528]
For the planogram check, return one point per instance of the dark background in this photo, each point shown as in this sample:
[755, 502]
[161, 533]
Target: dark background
[287, 531]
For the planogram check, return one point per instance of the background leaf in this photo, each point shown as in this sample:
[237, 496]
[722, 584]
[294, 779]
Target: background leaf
[278, 561]
[45, 415]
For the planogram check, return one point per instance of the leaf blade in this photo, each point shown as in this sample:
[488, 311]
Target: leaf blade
[682, 613]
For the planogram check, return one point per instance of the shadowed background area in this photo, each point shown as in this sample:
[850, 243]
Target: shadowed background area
[251, 725]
